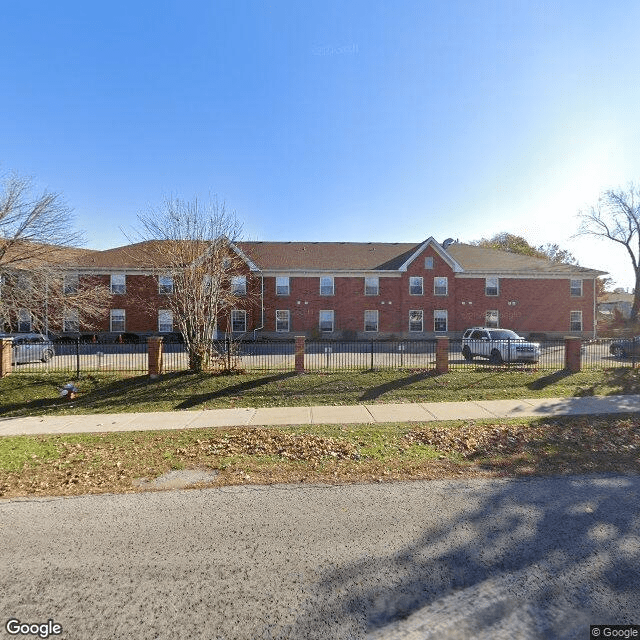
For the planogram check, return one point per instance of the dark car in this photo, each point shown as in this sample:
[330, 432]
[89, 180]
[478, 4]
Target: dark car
[625, 347]
[30, 347]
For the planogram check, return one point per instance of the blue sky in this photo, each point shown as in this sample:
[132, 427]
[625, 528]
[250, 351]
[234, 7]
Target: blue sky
[354, 121]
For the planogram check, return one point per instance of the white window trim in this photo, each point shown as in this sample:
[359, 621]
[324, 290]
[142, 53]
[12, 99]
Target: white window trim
[421, 280]
[571, 313]
[288, 287]
[123, 315]
[239, 285]
[576, 295]
[288, 329]
[119, 289]
[445, 316]
[446, 286]
[377, 320]
[166, 313]
[421, 312]
[165, 288]
[377, 286]
[333, 320]
[25, 317]
[70, 316]
[70, 283]
[333, 285]
[238, 313]
[497, 287]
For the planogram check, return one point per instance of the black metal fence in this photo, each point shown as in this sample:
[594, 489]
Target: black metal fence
[320, 355]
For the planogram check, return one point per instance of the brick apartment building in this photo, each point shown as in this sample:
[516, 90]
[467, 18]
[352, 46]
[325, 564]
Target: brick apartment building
[372, 290]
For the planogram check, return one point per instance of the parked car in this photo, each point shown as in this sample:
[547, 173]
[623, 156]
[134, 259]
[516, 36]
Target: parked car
[498, 345]
[30, 347]
[625, 347]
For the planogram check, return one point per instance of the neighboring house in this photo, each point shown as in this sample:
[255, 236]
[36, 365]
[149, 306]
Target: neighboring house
[611, 302]
[368, 290]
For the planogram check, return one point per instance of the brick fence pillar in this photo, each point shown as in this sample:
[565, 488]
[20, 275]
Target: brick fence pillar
[154, 346]
[572, 355]
[300, 354]
[442, 354]
[5, 356]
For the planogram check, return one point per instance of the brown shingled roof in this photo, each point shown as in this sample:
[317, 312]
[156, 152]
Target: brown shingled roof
[342, 256]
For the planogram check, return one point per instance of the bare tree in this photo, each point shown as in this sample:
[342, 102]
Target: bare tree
[616, 217]
[192, 244]
[37, 242]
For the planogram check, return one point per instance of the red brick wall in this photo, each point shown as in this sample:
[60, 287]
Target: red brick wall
[541, 305]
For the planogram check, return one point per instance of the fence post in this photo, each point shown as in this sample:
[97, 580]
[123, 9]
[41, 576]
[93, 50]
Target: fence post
[6, 345]
[442, 354]
[77, 358]
[372, 355]
[300, 354]
[154, 347]
[572, 357]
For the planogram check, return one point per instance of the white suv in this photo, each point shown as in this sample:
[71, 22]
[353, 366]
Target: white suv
[498, 345]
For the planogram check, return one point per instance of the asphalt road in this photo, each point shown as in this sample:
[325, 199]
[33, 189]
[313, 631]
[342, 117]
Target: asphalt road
[537, 558]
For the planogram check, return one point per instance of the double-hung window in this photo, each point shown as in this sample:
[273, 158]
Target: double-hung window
[326, 321]
[239, 285]
[492, 319]
[238, 321]
[575, 321]
[416, 320]
[25, 321]
[440, 318]
[282, 286]
[491, 286]
[117, 323]
[70, 321]
[283, 318]
[428, 262]
[372, 286]
[165, 321]
[440, 286]
[118, 283]
[70, 283]
[165, 285]
[371, 320]
[416, 286]
[326, 286]
[576, 288]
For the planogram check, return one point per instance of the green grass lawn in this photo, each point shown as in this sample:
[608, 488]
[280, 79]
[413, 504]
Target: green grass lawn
[28, 394]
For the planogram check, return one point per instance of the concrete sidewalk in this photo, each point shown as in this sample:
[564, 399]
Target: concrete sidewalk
[352, 414]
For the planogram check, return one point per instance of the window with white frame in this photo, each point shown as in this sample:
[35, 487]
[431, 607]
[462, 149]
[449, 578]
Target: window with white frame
[117, 320]
[492, 319]
[118, 283]
[491, 286]
[372, 286]
[371, 320]
[239, 285]
[165, 285]
[326, 320]
[576, 288]
[25, 321]
[575, 321]
[440, 286]
[238, 321]
[24, 282]
[165, 321]
[440, 317]
[70, 283]
[416, 320]
[326, 286]
[416, 287]
[283, 317]
[428, 262]
[282, 286]
[70, 321]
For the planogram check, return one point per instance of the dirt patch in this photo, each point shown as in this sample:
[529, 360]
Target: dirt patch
[178, 479]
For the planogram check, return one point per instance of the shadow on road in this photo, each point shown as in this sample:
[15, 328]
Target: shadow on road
[543, 558]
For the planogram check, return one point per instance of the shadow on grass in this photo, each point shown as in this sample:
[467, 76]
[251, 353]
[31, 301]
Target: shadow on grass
[552, 378]
[196, 400]
[375, 392]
